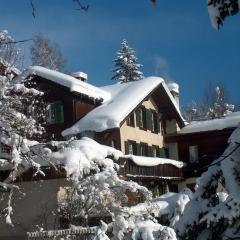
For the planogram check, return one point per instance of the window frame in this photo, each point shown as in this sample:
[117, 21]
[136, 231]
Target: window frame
[193, 153]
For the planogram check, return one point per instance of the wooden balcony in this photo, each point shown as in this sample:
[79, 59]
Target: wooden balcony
[162, 171]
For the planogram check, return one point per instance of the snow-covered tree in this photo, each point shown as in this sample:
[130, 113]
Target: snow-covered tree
[211, 215]
[98, 191]
[220, 107]
[215, 104]
[21, 124]
[46, 53]
[126, 66]
[9, 53]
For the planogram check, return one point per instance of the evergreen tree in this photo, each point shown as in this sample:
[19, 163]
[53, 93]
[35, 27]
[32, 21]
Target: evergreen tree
[126, 66]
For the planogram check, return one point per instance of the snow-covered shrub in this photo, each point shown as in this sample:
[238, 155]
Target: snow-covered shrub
[98, 191]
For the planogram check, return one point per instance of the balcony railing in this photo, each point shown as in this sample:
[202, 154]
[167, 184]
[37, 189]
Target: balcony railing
[167, 171]
[78, 234]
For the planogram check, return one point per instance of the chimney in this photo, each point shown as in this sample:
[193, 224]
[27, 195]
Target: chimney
[79, 75]
[174, 89]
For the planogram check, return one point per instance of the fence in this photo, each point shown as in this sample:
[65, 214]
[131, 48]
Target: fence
[71, 234]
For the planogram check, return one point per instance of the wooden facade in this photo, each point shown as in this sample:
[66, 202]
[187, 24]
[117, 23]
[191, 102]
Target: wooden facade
[210, 145]
[75, 106]
[161, 171]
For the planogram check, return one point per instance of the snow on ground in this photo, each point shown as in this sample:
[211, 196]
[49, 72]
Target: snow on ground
[170, 204]
[124, 99]
[230, 121]
[75, 85]
[153, 161]
[150, 230]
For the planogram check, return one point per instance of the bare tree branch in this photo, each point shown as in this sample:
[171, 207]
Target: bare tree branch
[81, 6]
[33, 8]
[14, 42]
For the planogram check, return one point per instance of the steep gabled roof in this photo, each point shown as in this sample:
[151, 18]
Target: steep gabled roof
[73, 84]
[230, 121]
[124, 99]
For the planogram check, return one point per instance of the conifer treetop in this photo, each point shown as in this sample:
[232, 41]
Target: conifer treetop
[126, 66]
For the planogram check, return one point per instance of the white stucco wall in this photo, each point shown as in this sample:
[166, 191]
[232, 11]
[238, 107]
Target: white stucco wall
[140, 135]
[37, 207]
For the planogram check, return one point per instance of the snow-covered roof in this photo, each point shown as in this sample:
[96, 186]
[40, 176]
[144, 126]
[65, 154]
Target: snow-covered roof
[230, 121]
[124, 99]
[74, 85]
[153, 161]
[173, 87]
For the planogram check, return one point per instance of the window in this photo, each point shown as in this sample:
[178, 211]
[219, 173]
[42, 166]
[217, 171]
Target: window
[143, 149]
[154, 151]
[163, 152]
[113, 143]
[130, 120]
[55, 112]
[193, 154]
[155, 123]
[141, 117]
[130, 147]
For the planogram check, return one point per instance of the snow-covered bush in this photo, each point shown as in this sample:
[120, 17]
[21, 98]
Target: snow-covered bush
[98, 191]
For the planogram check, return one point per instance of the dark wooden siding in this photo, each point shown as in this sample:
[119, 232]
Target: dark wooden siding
[107, 137]
[211, 146]
[75, 106]
[129, 168]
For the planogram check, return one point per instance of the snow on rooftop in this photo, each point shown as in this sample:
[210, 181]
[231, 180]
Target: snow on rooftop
[68, 81]
[124, 98]
[173, 87]
[230, 121]
[152, 161]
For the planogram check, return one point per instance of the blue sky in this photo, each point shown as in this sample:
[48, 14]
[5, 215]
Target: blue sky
[174, 40]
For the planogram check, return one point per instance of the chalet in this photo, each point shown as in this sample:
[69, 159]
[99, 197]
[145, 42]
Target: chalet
[133, 117]
[142, 119]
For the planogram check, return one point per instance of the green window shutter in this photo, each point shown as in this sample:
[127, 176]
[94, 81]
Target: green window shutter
[166, 152]
[138, 117]
[149, 119]
[52, 113]
[157, 152]
[126, 148]
[59, 114]
[138, 149]
[158, 123]
[150, 151]
[162, 153]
